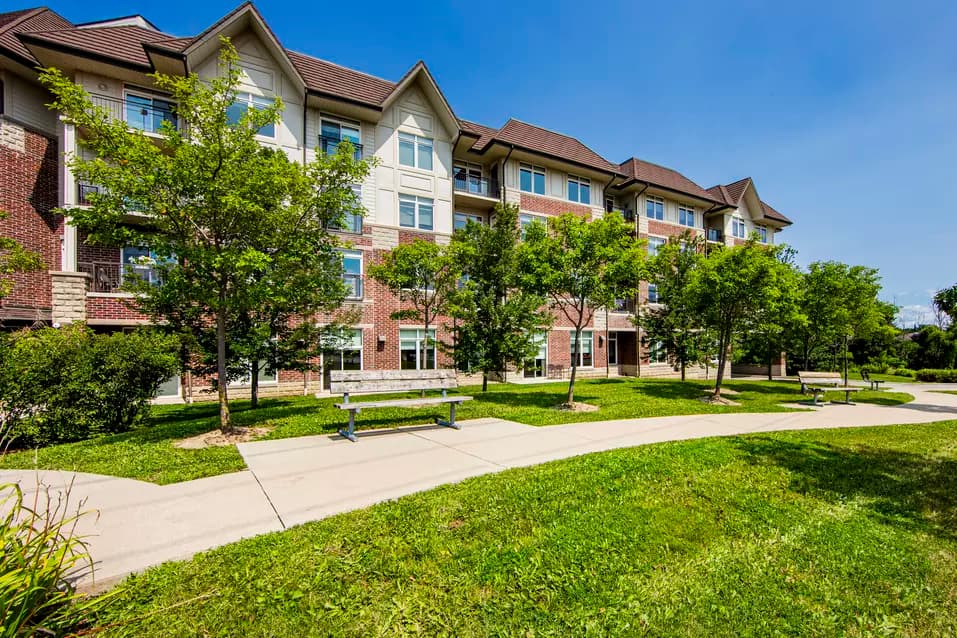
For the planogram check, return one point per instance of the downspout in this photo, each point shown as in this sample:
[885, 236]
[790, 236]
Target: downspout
[504, 164]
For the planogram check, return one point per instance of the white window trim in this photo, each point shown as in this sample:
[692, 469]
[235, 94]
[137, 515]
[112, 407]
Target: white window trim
[535, 217]
[571, 349]
[415, 152]
[663, 240]
[354, 254]
[341, 348]
[418, 346]
[534, 169]
[416, 222]
[335, 119]
[544, 342]
[688, 208]
[141, 93]
[569, 178]
[468, 217]
[761, 227]
[657, 200]
[744, 229]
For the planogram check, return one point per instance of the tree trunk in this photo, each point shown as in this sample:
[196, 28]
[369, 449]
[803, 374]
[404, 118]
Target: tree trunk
[571, 380]
[770, 359]
[683, 366]
[425, 351]
[254, 384]
[484, 381]
[221, 381]
[722, 359]
[845, 360]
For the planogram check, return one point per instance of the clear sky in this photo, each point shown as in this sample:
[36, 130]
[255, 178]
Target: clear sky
[842, 111]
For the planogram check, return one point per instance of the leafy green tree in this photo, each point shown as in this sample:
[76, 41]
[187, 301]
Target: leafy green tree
[496, 319]
[424, 276]
[946, 301]
[776, 322]
[733, 288]
[935, 348]
[231, 223]
[581, 266]
[675, 321]
[14, 258]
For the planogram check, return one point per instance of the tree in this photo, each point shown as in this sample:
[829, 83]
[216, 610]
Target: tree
[581, 266]
[945, 301]
[230, 222]
[423, 275]
[732, 288]
[497, 320]
[777, 321]
[14, 258]
[675, 321]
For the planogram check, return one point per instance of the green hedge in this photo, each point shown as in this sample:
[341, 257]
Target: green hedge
[70, 384]
[937, 376]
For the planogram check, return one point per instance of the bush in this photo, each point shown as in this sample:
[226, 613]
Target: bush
[902, 372]
[937, 376]
[70, 384]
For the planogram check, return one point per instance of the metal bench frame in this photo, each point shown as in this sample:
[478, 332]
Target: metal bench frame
[875, 384]
[347, 382]
[818, 383]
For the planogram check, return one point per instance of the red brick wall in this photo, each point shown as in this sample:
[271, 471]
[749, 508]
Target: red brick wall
[665, 229]
[28, 194]
[549, 206]
[118, 308]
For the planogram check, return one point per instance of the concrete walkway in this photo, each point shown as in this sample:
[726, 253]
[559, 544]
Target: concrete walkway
[292, 481]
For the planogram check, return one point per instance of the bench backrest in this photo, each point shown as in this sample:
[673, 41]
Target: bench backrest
[820, 377]
[349, 381]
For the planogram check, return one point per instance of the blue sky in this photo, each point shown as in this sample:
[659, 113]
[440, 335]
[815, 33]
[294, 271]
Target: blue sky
[842, 112]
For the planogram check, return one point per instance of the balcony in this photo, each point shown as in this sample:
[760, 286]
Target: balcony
[626, 213]
[353, 286]
[624, 306]
[715, 234]
[107, 277]
[330, 146]
[83, 192]
[143, 113]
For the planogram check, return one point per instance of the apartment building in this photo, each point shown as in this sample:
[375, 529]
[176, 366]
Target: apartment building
[435, 171]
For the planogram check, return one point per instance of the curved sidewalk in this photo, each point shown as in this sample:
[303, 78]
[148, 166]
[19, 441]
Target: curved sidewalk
[292, 481]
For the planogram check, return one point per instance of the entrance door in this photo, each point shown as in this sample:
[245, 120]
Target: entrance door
[612, 349]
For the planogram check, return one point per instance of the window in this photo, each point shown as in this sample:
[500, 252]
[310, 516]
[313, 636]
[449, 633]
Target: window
[344, 353]
[461, 220]
[265, 373]
[612, 348]
[585, 359]
[531, 179]
[653, 294]
[654, 207]
[352, 273]
[415, 212]
[246, 101]
[527, 220]
[686, 215]
[139, 261]
[762, 233]
[469, 179]
[332, 133]
[579, 190]
[737, 228]
[415, 151]
[657, 353]
[351, 218]
[414, 354]
[147, 113]
[536, 368]
[655, 244]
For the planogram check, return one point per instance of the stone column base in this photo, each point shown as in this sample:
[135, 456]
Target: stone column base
[69, 296]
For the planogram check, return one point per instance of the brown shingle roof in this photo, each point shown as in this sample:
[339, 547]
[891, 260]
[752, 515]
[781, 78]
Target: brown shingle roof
[17, 22]
[541, 140]
[333, 79]
[735, 190]
[484, 133]
[173, 44]
[666, 178]
[122, 44]
[770, 213]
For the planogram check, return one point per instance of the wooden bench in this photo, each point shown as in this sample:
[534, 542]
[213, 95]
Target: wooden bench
[349, 382]
[818, 383]
[875, 384]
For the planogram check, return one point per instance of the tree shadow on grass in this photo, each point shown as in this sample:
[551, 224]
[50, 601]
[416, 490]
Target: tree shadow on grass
[670, 389]
[900, 489]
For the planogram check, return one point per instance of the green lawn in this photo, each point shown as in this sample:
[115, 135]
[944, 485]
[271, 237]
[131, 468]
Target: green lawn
[890, 378]
[813, 533]
[148, 453]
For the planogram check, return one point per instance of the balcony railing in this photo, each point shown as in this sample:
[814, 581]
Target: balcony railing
[626, 213]
[715, 234]
[474, 185]
[330, 146]
[624, 306]
[143, 113]
[83, 192]
[353, 286]
[104, 276]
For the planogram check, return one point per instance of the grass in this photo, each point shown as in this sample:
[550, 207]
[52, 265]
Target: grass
[148, 453]
[813, 533]
[890, 378]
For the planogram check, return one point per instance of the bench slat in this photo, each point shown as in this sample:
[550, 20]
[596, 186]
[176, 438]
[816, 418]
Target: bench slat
[401, 402]
[357, 381]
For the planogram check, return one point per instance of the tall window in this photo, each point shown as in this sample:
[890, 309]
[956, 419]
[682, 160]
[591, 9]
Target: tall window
[415, 212]
[147, 113]
[686, 215]
[536, 368]
[612, 348]
[531, 179]
[413, 354]
[653, 294]
[352, 273]
[246, 101]
[527, 220]
[461, 220]
[415, 151]
[333, 133]
[344, 353]
[657, 353]
[579, 190]
[351, 220]
[585, 358]
[762, 233]
[737, 228]
[654, 207]
[655, 244]
[265, 373]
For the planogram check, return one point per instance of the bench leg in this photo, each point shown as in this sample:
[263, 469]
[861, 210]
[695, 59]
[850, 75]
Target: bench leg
[351, 432]
[451, 422]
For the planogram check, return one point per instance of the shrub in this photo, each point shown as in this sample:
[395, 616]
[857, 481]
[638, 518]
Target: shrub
[70, 384]
[937, 376]
[902, 372]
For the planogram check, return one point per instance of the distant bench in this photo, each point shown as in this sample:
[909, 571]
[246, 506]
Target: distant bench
[818, 383]
[348, 382]
[874, 383]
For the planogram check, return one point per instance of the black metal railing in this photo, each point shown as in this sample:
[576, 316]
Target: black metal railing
[624, 305]
[330, 145]
[104, 276]
[83, 192]
[139, 112]
[353, 286]
[474, 185]
[715, 234]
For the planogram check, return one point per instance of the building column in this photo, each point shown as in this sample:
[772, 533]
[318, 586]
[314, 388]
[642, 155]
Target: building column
[68, 193]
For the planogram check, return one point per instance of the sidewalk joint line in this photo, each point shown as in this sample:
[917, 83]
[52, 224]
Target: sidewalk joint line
[268, 500]
[451, 447]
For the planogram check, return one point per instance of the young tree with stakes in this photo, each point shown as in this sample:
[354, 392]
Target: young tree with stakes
[229, 221]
